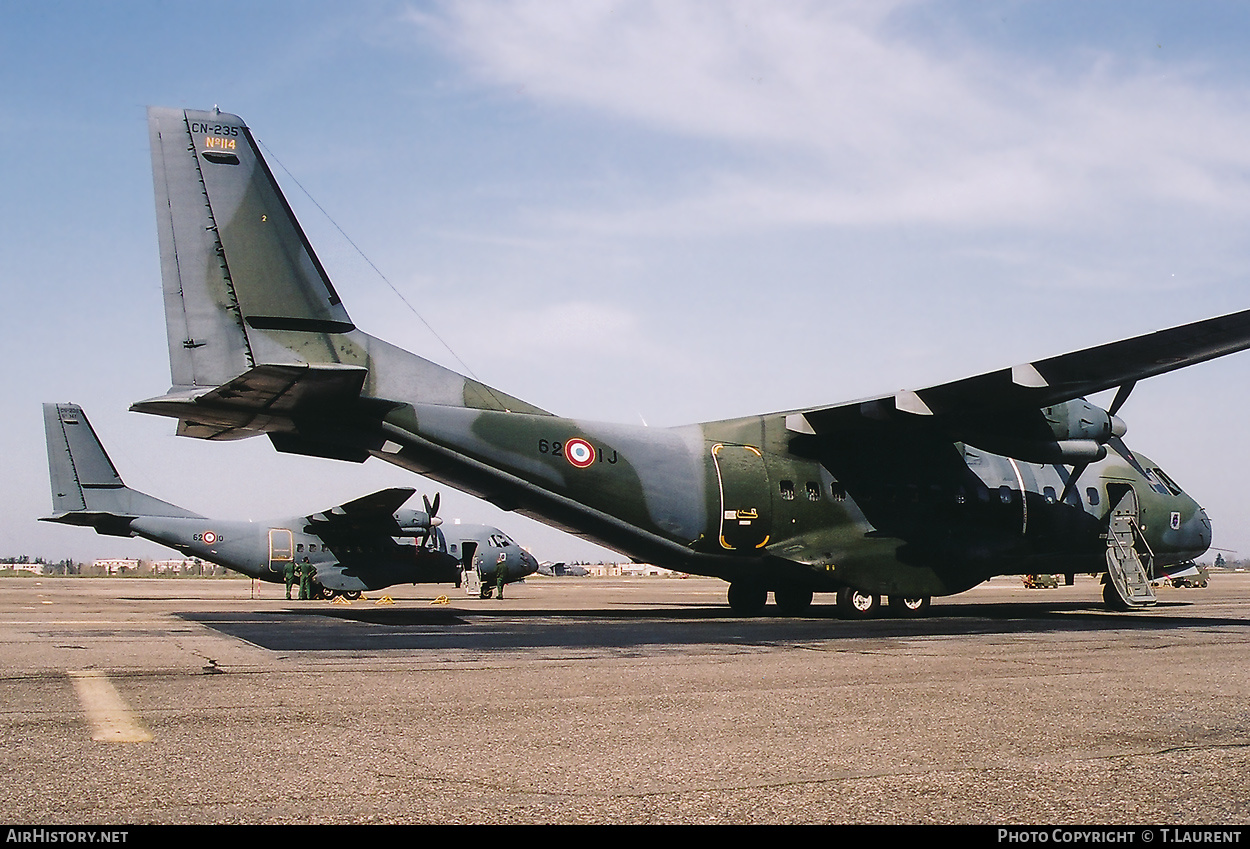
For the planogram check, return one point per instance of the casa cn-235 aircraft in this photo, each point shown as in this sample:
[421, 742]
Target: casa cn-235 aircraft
[905, 496]
[366, 544]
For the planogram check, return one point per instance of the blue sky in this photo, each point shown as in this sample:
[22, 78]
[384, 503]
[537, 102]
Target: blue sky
[664, 211]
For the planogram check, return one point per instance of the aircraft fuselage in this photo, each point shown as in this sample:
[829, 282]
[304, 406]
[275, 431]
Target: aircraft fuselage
[751, 499]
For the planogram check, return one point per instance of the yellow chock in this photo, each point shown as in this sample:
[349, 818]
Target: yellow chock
[386, 599]
[442, 599]
[338, 599]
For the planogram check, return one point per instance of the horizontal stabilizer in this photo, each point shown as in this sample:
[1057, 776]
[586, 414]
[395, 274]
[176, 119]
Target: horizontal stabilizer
[265, 399]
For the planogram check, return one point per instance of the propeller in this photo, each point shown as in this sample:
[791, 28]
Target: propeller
[431, 510]
[1117, 430]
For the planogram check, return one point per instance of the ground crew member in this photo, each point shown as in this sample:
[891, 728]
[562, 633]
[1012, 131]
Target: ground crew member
[288, 572]
[306, 571]
[501, 572]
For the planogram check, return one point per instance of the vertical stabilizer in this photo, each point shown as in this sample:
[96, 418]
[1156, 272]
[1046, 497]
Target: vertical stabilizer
[233, 258]
[258, 339]
[86, 487]
[76, 459]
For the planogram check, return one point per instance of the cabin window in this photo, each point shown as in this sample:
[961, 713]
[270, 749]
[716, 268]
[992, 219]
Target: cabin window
[1092, 494]
[299, 547]
[813, 491]
[1049, 492]
[837, 491]
[1004, 494]
[787, 490]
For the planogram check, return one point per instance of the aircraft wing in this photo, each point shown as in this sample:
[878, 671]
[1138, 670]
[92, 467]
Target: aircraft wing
[373, 512]
[1044, 382]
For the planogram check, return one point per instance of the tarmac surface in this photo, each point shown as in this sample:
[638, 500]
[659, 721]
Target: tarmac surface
[618, 701]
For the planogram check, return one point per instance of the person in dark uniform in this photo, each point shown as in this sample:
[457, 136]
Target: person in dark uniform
[307, 572]
[501, 572]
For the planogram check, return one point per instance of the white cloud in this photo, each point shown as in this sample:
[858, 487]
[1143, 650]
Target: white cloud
[843, 119]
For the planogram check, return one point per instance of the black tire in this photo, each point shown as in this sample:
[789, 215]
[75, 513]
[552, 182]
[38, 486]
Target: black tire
[909, 607]
[793, 601]
[324, 592]
[747, 599]
[352, 595]
[853, 604]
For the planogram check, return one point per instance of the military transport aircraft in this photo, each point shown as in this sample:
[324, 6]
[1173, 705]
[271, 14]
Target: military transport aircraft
[366, 544]
[905, 496]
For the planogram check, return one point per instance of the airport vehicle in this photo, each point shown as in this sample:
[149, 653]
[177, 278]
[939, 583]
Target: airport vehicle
[905, 496]
[1194, 576]
[366, 544]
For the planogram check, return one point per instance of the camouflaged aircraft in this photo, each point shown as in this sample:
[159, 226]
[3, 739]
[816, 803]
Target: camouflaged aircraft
[366, 544]
[900, 497]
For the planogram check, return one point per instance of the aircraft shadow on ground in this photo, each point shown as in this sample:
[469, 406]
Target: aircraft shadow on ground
[396, 629]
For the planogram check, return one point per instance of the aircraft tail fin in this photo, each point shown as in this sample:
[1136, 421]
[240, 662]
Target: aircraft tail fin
[233, 257]
[258, 337]
[86, 488]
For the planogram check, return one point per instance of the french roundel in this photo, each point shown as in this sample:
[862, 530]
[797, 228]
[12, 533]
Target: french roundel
[580, 453]
[210, 537]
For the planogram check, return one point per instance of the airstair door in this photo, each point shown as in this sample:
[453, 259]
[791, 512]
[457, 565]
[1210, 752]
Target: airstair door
[1126, 566]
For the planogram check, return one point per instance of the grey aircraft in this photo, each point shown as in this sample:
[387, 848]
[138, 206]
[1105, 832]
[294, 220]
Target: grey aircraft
[562, 570]
[366, 544]
[886, 501]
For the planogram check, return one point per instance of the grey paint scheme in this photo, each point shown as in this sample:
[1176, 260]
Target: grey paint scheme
[366, 544]
[875, 494]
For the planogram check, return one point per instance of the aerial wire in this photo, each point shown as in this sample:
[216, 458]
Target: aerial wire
[377, 270]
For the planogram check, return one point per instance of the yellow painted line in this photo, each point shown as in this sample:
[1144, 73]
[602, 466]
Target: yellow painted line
[109, 715]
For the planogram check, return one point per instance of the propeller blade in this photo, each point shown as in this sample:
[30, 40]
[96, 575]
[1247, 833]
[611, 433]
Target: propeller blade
[1121, 396]
[1073, 477]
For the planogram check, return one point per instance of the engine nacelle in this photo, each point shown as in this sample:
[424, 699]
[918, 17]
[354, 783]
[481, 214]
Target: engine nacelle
[415, 523]
[1080, 420]
[1072, 433]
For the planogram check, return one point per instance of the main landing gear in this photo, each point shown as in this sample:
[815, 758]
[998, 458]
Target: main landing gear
[329, 594]
[750, 599]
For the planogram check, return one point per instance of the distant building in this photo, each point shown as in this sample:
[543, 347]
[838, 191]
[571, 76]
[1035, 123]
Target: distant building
[112, 567]
[639, 570]
[179, 566]
[32, 568]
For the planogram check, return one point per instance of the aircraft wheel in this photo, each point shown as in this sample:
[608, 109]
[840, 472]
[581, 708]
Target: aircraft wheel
[1111, 597]
[909, 607]
[352, 595]
[853, 604]
[747, 599]
[485, 592]
[324, 592]
[793, 601]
